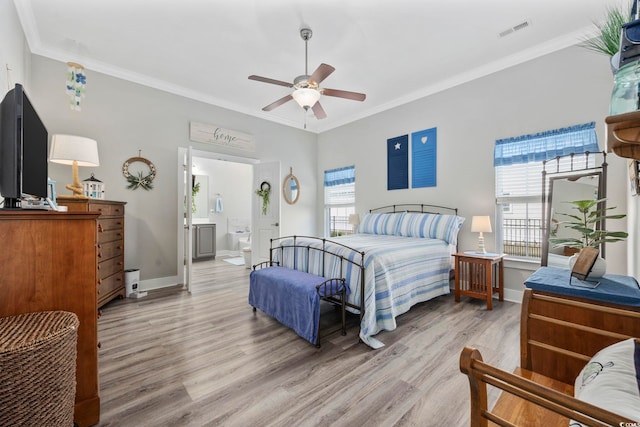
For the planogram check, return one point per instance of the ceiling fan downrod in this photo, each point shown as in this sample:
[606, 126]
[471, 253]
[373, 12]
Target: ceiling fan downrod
[306, 34]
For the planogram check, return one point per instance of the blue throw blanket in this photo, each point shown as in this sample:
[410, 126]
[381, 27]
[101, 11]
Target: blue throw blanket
[288, 296]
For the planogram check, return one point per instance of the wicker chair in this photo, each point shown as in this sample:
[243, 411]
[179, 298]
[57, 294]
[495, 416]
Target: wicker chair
[38, 368]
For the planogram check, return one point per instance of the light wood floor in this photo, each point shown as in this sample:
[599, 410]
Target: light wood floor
[205, 359]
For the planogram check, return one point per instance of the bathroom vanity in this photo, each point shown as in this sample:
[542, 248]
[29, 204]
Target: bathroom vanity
[204, 241]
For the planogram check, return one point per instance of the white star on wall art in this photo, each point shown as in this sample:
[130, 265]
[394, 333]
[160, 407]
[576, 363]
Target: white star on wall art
[397, 146]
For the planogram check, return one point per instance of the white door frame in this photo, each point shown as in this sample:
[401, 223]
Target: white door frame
[185, 241]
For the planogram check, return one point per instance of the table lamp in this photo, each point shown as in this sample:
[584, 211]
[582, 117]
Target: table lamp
[75, 151]
[481, 224]
[354, 219]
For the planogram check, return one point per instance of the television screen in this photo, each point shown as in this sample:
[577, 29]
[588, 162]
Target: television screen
[23, 149]
[34, 152]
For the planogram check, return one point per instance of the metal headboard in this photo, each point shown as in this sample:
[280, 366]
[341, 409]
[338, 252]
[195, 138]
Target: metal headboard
[414, 207]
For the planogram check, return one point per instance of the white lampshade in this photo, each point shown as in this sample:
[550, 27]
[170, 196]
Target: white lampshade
[481, 224]
[354, 219]
[66, 149]
[306, 97]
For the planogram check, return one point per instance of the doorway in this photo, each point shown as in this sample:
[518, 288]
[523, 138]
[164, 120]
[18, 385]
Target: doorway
[217, 191]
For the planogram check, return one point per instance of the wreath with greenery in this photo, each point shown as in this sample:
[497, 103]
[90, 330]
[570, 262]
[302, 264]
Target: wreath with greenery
[139, 180]
[263, 192]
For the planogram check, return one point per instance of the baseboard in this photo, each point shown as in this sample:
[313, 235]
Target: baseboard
[159, 283]
[511, 295]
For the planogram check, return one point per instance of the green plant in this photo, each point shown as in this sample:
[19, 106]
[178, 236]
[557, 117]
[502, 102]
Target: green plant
[585, 223]
[194, 191]
[607, 40]
[145, 182]
[263, 192]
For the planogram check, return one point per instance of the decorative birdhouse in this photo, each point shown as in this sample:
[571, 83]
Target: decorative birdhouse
[93, 188]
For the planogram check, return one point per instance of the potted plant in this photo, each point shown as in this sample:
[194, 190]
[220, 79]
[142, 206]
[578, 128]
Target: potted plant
[585, 223]
[607, 39]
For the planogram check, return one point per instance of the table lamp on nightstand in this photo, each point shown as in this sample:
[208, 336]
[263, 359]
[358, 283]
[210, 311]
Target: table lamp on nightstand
[76, 151]
[481, 224]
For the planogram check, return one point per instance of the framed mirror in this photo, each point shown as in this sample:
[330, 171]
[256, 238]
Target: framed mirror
[291, 188]
[585, 182]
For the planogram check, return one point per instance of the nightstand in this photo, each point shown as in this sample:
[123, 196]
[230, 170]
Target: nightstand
[479, 276]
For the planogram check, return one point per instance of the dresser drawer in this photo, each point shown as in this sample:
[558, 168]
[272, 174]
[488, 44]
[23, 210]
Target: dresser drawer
[109, 250]
[109, 284]
[99, 207]
[109, 267]
[106, 224]
[106, 209]
[110, 236]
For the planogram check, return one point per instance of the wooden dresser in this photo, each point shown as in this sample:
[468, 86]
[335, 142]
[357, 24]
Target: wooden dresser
[48, 262]
[110, 255]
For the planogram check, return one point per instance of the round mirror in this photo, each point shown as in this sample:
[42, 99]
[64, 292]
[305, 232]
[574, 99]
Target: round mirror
[291, 188]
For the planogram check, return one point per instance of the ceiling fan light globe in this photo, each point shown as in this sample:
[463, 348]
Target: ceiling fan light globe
[306, 97]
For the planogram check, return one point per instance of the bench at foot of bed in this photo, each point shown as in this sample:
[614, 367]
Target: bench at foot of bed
[293, 298]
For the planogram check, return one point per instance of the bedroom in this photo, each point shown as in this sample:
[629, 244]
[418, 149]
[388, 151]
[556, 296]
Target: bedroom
[562, 88]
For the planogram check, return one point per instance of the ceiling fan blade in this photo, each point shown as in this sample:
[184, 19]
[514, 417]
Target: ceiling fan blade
[322, 72]
[268, 80]
[344, 94]
[278, 103]
[318, 111]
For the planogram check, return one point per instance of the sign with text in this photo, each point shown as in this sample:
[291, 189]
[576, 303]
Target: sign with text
[211, 134]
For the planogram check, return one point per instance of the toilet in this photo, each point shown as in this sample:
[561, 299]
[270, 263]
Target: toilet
[238, 240]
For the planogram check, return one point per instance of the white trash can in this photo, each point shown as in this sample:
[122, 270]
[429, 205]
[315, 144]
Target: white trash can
[131, 280]
[246, 252]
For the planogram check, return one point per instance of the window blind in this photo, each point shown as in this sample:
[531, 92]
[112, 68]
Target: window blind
[339, 186]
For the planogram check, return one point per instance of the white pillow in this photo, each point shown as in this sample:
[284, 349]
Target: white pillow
[611, 380]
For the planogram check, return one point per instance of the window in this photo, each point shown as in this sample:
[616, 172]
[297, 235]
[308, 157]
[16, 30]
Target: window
[518, 165]
[339, 200]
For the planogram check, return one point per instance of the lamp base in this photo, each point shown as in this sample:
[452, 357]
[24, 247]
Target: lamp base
[76, 187]
[481, 249]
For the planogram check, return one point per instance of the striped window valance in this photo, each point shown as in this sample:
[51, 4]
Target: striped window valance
[345, 175]
[546, 145]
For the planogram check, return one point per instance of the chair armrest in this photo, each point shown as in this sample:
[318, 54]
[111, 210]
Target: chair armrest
[480, 374]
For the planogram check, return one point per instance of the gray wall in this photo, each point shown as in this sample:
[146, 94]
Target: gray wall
[568, 87]
[14, 51]
[126, 117]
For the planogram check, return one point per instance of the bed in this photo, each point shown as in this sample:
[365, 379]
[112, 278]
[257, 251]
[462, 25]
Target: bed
[405, 252]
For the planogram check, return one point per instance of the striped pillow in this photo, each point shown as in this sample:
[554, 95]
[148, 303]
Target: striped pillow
[380, 223]
[433, 226]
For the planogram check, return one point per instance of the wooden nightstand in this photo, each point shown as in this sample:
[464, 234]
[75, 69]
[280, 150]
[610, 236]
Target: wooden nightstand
[479, 276]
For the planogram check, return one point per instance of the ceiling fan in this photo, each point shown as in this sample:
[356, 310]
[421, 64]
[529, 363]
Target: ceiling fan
[306, 88]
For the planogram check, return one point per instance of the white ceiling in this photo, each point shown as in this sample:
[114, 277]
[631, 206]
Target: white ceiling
[395, 51]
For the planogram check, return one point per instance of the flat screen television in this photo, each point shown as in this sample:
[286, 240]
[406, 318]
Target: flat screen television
[23, 150]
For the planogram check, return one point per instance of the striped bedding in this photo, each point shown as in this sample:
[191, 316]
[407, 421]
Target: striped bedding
[399, 273]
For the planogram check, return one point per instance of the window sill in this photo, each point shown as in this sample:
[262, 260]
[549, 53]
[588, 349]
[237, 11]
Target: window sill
[521, 263]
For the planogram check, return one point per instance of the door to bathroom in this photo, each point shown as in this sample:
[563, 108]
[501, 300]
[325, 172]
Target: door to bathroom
[220, 190]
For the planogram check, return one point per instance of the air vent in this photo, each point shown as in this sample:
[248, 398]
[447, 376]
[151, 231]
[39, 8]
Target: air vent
[517, 27]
